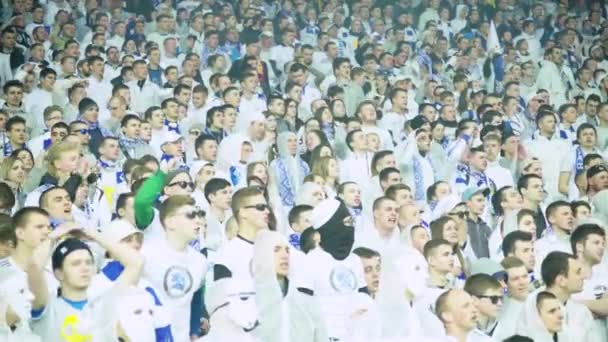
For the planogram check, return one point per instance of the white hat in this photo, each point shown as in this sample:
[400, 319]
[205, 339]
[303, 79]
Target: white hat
[324, 211]
[170, 137]
[118, 230]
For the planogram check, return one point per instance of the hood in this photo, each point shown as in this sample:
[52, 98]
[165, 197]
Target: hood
[229, 151]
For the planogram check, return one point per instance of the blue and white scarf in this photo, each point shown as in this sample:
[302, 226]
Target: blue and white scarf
[580, 156]
[285, 186]
[95, 126]
[171, 126]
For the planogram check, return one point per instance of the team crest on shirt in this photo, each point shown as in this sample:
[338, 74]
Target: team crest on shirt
[599, 291]
[342, 279]
[177, 281]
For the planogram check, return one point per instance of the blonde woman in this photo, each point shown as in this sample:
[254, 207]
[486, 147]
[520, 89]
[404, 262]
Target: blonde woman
[62, 164]
[327, 168]
[14, 173]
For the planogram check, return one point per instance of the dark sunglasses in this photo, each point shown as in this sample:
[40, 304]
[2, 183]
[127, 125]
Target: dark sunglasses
[83, 131]
[258, 207]
[194, 213]
[461, 214]
[494, 299]
[183, 184]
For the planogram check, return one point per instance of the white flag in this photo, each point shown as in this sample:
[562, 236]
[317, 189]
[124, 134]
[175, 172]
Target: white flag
[493, 45]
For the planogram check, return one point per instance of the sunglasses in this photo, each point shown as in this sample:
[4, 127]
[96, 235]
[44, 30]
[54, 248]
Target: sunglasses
[183, 184]
[494, 299]
[258, 207]
[83, 131]
[197, 133]
[461, 214]
[197, 212]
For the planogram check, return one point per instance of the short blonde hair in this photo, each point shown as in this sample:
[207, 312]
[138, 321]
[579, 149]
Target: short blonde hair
[55, 153]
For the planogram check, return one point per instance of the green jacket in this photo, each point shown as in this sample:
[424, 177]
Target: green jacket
[146, 197]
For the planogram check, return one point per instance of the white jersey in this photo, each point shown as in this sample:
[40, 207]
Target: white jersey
[335, 284]
[177, 274]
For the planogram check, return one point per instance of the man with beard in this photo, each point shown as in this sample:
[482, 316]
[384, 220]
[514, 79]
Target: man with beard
[333, 274]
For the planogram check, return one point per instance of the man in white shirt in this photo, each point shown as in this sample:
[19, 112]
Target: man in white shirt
[457, 312]
[547, 147]
[588, 243]
[487, 293]
[110, 167]
[381, 234]
[563, 275]
[144, 93]
[501, 176]
[552, 76]
[180, 269]
[251, 101]
[520, 245]
[218, 192]
[356, 167]
[233, 264]
[439, 256]
[39, 99]
[395, 119]
[561, 219]
[73, 266]
[372, 268]
[518, 281]
[98, 90]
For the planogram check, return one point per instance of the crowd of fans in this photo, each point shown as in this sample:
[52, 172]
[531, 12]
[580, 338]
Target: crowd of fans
[295, 171]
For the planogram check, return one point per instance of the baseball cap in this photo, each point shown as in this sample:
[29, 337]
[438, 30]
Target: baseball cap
[171, 137]
[118, 230]
[595, 169]
[64, 249]
[471, 191]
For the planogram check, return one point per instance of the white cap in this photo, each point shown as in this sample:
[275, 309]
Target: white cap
[118, 230]
[324, 211]
[170, 137]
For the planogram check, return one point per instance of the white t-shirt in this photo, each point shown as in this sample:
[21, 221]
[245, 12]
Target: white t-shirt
[335, 284]
[177, 274]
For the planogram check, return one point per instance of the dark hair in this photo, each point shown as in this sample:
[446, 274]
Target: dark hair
[551, 208]
[15, 120]
[383, 176]
[365, 253]
[307, 242]
[125, 120]
[295, 212]
[555, 264]
[391, 191]
[497, 200]
[200, 140]
[582, 232]
[214, 185]
[433, 244]
[523, 181]
[7, 197]
[479, 283]
[509, 241]
[121, 202]
[574, 205]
